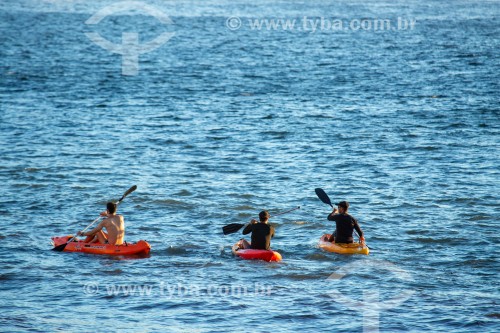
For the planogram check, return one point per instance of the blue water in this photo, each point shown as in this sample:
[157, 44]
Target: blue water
[219, 124]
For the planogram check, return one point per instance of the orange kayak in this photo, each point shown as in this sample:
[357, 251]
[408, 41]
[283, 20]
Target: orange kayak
[249, 254]
[141, 247]
[343, 248]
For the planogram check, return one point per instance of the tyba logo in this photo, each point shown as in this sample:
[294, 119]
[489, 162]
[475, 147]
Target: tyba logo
[130, 49]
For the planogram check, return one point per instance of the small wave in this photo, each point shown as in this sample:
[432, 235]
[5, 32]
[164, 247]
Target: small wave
[146, 228]
[217, 138]
[427, 240]
[456, 125]
[32, 169]
[39, 185]
[317, 257]
[6, 277]
[465, 55]
[479, 263]
[243, 208]
[475, 323]
[493, 315]
[79, 187]
[299, 276]
[212, 264]
[296, 316]
[114, 272]
[241, 195]
[176, 250]
[475, 63]
[278, 134]
[427, 148]
[417, 232]
[20, 185]
[183, 193]
[145, 307]
[319, 116]
[171, 202]
[479, 218]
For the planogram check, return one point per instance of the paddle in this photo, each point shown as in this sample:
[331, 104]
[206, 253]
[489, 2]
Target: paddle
[234, 227]
[326, 199]
[61, 247]
[323, 196]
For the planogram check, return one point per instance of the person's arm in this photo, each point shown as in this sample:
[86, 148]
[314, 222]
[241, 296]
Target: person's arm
[332, 215]
[248, 229]
[360, 232]
[272, 231]
[93, 231]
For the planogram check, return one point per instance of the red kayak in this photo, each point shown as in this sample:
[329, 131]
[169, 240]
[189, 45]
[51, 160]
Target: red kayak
[251, 254]
[140, 248]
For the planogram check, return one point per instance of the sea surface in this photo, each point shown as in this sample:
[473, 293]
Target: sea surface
[225, 119]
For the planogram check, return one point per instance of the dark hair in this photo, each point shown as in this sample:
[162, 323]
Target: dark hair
[111, 206]
[263, 216]
[343, 204]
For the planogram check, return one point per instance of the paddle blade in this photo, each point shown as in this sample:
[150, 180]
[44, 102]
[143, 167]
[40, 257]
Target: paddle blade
[130, 190]
[323, 196]
[232, 228]
[60, 248]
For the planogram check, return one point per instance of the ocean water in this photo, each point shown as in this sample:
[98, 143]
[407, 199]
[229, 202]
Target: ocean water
[225, 119]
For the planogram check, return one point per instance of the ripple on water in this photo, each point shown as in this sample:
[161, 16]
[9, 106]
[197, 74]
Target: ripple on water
[172, 250]
[117, 271]
[184, 193]
[318, 257]
[7, 276]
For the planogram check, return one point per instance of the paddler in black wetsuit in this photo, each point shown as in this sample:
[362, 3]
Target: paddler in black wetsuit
[261, 231]
[346, 224]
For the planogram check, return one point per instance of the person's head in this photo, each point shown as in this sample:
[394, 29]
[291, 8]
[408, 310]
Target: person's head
[343, 207]
[264, 216]
[111, 207]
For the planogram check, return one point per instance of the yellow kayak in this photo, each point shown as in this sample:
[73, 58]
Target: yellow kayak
[342, 248]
